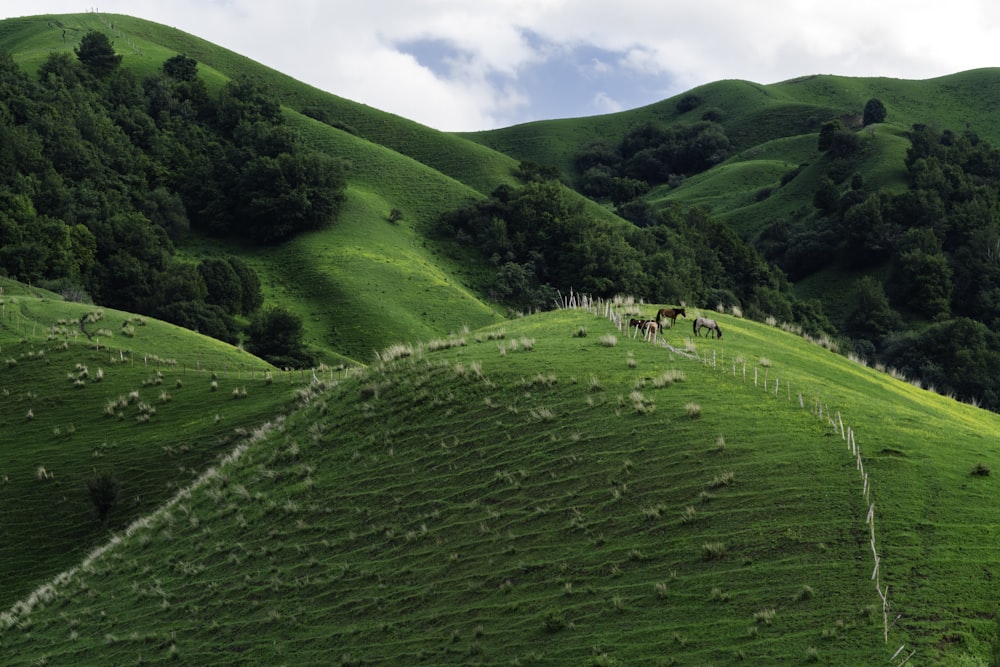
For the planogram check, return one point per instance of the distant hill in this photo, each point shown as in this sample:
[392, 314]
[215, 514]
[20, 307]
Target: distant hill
[774, 129]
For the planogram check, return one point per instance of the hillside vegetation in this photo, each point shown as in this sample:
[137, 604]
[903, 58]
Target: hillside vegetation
[877, 197]
[87, 391]
[441, 479]
[527, 493]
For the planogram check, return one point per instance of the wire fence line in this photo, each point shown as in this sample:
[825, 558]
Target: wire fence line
[620, 309]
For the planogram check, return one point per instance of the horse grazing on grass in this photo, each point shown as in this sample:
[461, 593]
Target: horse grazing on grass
[671, 314]
[648, 327]
[705, 323]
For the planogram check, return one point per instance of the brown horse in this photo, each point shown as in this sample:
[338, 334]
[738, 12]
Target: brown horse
[647, 327]
[670, 313]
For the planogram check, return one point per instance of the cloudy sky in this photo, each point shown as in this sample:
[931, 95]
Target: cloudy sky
[480, 64]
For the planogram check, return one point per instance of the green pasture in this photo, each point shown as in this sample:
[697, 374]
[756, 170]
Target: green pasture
[550, 490]
[136, 399]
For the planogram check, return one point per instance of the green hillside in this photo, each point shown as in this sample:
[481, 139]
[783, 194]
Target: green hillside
[774, 129]
[120, 394]
[354, 284]
[528, 494]
[456, 485]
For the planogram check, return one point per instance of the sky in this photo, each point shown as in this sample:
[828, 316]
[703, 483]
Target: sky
[467, 65]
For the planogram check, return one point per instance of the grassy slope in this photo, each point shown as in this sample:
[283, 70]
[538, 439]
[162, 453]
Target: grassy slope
[774, 128]
[472, 505]
[363, 283]
[45, 523]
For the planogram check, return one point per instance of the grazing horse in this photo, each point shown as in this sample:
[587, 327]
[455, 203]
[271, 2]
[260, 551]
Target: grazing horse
[670, 313]
[645, 326]
[705, 323]
[649, 328]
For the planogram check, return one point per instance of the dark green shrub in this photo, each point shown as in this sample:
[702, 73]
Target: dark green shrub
[103, 490]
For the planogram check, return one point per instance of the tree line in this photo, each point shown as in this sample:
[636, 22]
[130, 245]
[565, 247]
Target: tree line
[539, 240]
[101, 173]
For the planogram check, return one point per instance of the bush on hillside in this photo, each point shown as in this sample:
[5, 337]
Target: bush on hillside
[276, 334]
[103, 490]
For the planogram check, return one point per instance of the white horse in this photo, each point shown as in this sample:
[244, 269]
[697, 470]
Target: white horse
[705, 323]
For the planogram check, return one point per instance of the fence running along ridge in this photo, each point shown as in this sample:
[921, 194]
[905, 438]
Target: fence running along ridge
[619, 309]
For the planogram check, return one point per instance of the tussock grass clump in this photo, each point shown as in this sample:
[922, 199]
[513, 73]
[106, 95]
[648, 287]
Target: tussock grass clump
[541, 414]
[653, 512]
[713, 551]
[667, 378]
[719, 595]
[765, 616]
[693, 410]
[641, 404]
[722, 479]
[689, 515]
[609, 340]
[581, 332]
[446, 343]
[394, 352]
[545, 380]
[805, 593]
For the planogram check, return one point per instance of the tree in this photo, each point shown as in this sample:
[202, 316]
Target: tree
[97, 53]
[874, 112]
[872, 317]
[252, 297]
[826, 133]
[103, 490]
[181, 67]
[276, 335]
[920, 277]
[223, 285]
[827, 197]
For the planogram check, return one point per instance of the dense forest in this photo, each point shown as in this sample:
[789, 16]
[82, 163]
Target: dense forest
[101, 174]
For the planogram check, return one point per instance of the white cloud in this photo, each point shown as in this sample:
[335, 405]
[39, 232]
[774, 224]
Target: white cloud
[604, 103]
[358, 50]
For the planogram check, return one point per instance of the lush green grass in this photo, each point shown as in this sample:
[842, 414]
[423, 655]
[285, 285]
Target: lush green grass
[520, 493]
[136, 400]
[525, 493]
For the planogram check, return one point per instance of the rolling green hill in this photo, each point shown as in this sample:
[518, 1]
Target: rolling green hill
[526, 493]
[774, 128]
[471, 489]
[148, 402]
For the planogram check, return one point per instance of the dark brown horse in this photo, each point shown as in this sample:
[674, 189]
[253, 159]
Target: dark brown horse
[671, 314]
